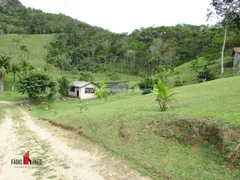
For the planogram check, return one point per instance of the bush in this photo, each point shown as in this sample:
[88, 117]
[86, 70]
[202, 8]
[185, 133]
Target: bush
[63, 83]
[147, 85]
[195, 65]
[34, 85]
[178, 82]
[101, 92]
[206, 74]
[86, 76]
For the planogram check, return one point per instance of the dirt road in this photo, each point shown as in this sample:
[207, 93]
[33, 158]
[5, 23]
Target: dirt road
[63, 155]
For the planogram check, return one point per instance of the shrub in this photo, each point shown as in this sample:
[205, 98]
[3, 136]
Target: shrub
[178, 82]
[34, 84]
[195, 65]
[63, 85]
[206, 74]
[146, 85]
[86, 76]
[48, 97]
[101, 92]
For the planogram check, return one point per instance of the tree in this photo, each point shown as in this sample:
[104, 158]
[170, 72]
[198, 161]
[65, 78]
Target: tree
[4, 63]
[63, 83]
[34, 84]
[229, 13]
[15, 69]
[25, 66]
[52, 61]
[163, 96]
[4, 67]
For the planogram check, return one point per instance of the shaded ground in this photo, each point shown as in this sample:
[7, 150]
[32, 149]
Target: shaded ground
[65, 155]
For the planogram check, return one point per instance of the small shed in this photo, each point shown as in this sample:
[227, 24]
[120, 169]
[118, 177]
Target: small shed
[236, 56]
[82, 89]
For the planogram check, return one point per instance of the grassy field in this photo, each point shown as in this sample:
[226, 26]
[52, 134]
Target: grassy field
[36, 53]
[121, 126]
[186, 72]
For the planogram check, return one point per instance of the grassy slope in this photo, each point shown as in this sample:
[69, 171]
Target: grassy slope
[189, 75]
[128, 115]
[35, 45]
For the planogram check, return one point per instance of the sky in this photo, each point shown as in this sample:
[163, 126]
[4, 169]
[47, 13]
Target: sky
[127, 15]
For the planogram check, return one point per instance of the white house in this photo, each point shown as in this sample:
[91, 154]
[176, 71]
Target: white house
[82, 89]
[236, 56]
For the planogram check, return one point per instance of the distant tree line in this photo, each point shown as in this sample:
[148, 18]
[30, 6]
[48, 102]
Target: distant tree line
[147, 51]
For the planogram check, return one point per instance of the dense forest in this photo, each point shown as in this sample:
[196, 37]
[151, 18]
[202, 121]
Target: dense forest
[146, 51]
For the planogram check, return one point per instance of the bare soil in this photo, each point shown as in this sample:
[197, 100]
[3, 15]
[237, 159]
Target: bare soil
[65, 154]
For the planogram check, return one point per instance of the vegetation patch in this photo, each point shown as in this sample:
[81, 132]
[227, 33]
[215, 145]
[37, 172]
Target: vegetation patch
[198, 131]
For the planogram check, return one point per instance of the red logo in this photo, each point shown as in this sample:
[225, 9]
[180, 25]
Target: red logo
[26, 159]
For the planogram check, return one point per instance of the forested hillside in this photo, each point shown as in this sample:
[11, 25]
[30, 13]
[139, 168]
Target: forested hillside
[147, 51]
[17, 19]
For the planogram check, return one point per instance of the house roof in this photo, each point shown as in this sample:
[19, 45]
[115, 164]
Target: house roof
[237, 49]
[81, 83]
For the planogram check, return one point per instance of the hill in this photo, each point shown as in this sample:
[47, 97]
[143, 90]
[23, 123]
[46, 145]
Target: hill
[145, 52]
[162, 144]
[35, 52]
[17, 19]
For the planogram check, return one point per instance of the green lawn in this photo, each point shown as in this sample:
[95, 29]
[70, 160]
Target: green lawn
[119, 125]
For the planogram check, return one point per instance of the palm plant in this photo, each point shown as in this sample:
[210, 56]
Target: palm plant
[63, 85]
[4, 66]
[4, 63]
[163, 96]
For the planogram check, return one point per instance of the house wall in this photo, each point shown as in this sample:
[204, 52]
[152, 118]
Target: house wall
[72, 94]
[236, 59]
[84, 95]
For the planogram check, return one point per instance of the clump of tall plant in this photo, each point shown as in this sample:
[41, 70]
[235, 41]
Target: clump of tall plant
[101, 91]
[163, 96]
[146, 85]
[63, 83]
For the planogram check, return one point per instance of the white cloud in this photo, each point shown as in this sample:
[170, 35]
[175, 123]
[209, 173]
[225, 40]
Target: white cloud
[127, 15]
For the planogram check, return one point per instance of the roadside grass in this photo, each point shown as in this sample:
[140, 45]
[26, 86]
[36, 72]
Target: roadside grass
[9, 94]
[121, 126]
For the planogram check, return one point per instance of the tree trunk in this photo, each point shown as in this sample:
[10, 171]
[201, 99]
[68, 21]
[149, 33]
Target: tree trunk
[1, 82]
[14, 79]
[223, 49]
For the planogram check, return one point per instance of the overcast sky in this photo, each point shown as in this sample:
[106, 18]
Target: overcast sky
[127, 15]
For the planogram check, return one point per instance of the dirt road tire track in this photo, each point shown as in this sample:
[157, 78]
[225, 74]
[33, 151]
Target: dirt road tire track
[20, 133]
